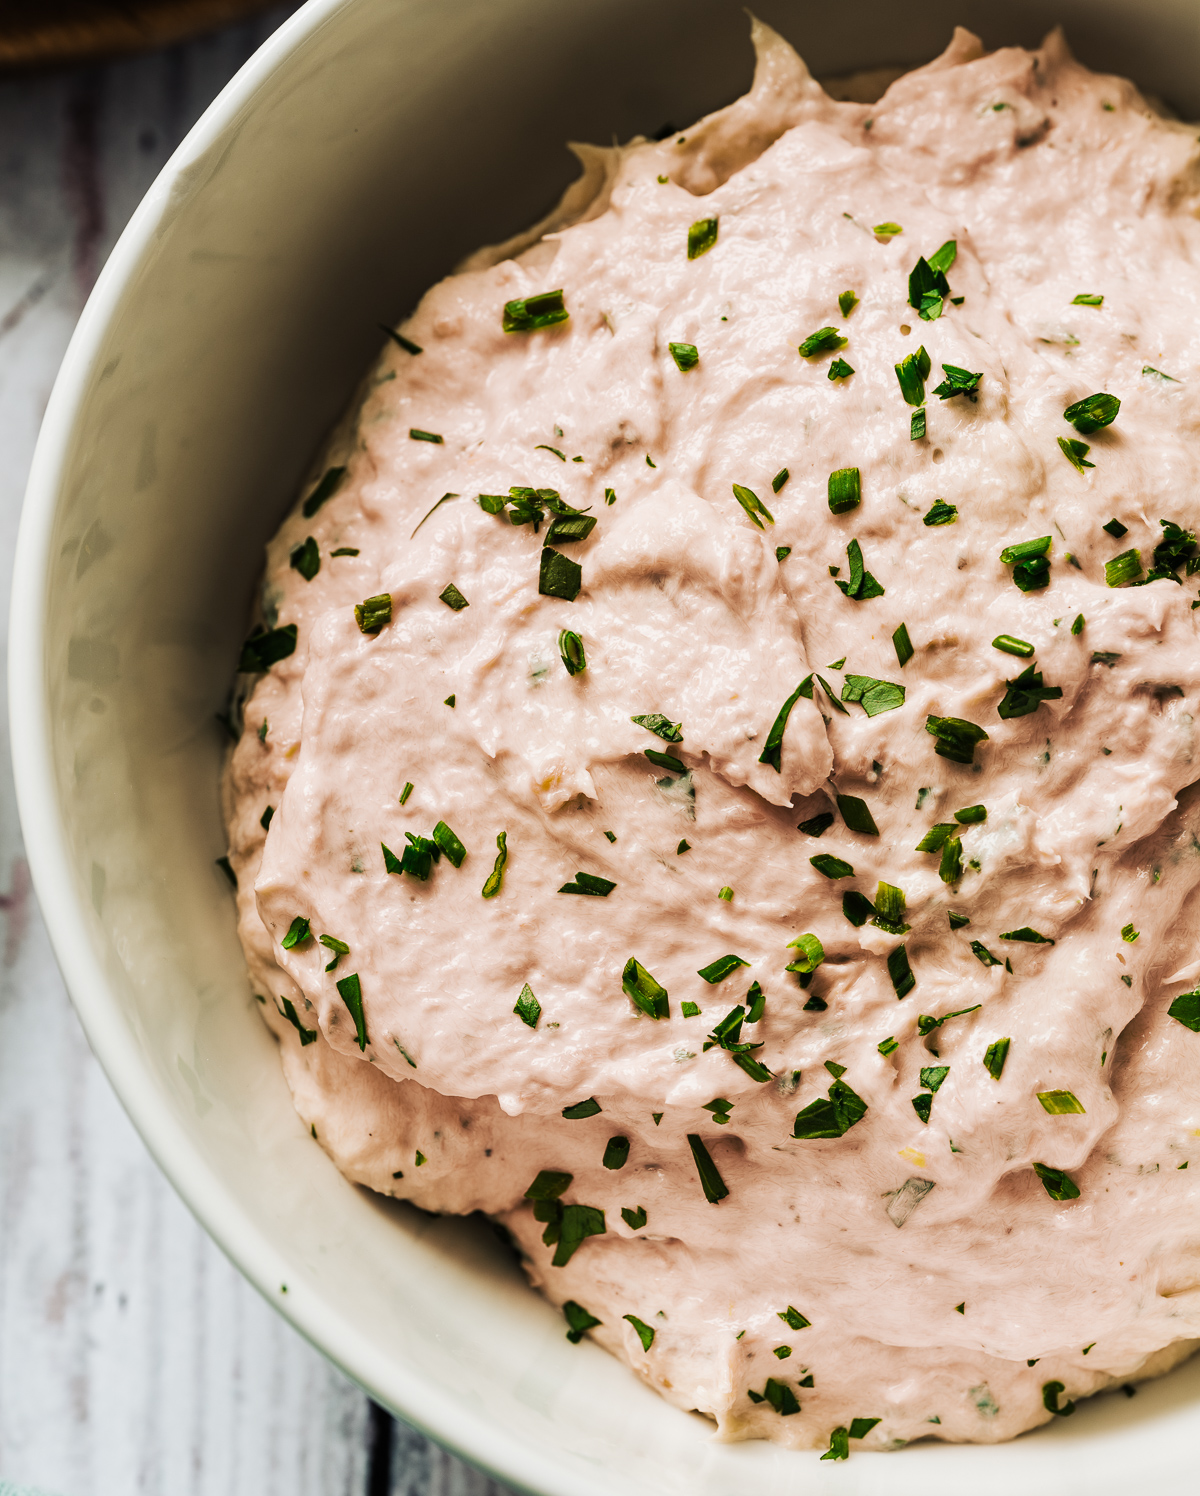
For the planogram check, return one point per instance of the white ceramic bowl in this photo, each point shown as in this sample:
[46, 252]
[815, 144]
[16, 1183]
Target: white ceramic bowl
[365, 148]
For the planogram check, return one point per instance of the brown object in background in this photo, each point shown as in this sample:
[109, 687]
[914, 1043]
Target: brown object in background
[44, 33]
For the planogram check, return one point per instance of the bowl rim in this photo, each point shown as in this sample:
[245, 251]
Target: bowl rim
[471, 1434]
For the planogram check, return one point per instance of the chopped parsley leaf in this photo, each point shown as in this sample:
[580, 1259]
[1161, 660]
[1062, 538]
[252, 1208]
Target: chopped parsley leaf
[753, 505]
[782, 1352]
[782, 552]
[495, 878]
[662, 727]
[559, 576]
[580, 1321]
[932, 1076]
[350, 990]
[610, 496]
[832, 867]
[266, 647]
[588, 883]
[832, 1118]
[857, 815]
[818, 825]
[400, 340]
[527, 1008]
[793, 1318]
[288, 1011]
[634, 1219]
[529, 313]
[297, 933]
[1076, 453]
[567, 528]
[306, 559]
[862, 585]
[643, 991]
[847, 301]
[927, 289]
[940, 513]
[701, 237]
[714, 1187]
[645, 1332]
[824, 340]
[453, 598]
[425, 436]
[773, 747]
[1059, 1185]
[994, 1057]
[1186, 1010]
[839, 369]
[686, 355]
[845, 490]
[684, 846]
[1060, 1103]
[922, 1105]
[1092, 413]
[324, 490]
[1012, 646]
[904, 652]
[874, 696]
[958, 382]
[338, 947]
[1025, 694]
[718, 970]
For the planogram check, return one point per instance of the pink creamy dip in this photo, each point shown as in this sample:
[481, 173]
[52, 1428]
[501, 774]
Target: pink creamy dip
[910, 1265]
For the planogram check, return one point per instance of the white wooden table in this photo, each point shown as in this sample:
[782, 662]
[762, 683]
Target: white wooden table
[133, 1358]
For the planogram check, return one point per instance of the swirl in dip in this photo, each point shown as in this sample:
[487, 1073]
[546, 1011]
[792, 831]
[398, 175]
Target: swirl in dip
[715, 790]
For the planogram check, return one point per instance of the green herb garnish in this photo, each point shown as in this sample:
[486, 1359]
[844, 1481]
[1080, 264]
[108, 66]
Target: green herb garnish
[887, 230]
[324, 490]
[643, 991]
[616, 1153]
[753, 506]
[374, 612]
[662, 727]
[635, 1219]
[1116, 529]
[350, 990]
[812, 953]
[839, 369]
[773, 748]
[1075, 452]
[400, 340]
[425, 436]
[452, 597]
[832, 867]
[901, 972]
[1025, 694]
[847, 301]
[1012, 646]
[862, 585]
[288, 1011]
[686, 355]
[588, 883]
[529, 313]
[266, 647]
[580, 1321]
[711, 1182]
[779, 480]
[1051, 1391]
[570, 651]
[957, 921]
[1085, 298]
[916, 426]
[995, 1056]
[267, 817]
[297, 933]
[874, 696]
[922, 1105]
[701, 237]
[950, 867]
[306, 559]
[718, 970]
[1060, 1103]
[528, 1009]
[904, 652]
[644, 1332]
[582, 1109]
[1059, 1185]
[912, 372]
[956, 738]
[345, 550]
[857, 908]
[928, 288]
[495, 878]
[890, 908]
[559, 576]
[1092, 413]
[824, 340]
[958, 382]
[982, 954]
[832, 1118]
[857, 815]
[782, 552]
[940, 513]
[845, 490]
[684, 846]
[1186, 1010]
[887, 1046]
[338, 947]
[818, 825]
[971, 815]
[1027, 936]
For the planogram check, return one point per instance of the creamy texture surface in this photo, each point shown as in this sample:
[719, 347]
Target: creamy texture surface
[912, 1265]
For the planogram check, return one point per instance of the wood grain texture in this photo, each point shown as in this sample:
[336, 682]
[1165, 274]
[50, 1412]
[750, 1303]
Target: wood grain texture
[133, 1357]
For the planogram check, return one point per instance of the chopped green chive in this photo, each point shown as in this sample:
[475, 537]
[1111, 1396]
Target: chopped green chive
[686, 355]
[1123, 568]
[1059, 1185]
[711, 1182]
[1152, 373]
[425, 436]
[453, 598]
[725, 893]
[445, 499]
[267, 817]
[1052, 1390]
[297, 933]
[529, 313]
[701, 237]
[782, 1352]
[616, 1153]
[1077, 626]
[350, 990]
[1091, 414]
[940, 513]
[1116, 529]
[793, 1318]
[958, 382]
[288, 1011]
[888, 1046]
[812, 953]
[901, 972]
[528, 1009]
[1060, 1103]
[824, 340]
[957, 921]
[1076, 453]
[324, 490]
[839, 369]
[773, 748]
[845, 490]
[916, 426]
[1012, 646]
[567, 528]
[857, 815]
[542, 447]
[832, 1118]
[690, 1010]
[610, 496]
[338, 947]
[588, 883]
[922, 1105]
[580, 1321]
[904, 651]
[306, 559]
[832, 867]
[887, 230]
[1027, 936]
[718, 970]
[1186, 1010]
[346, 550]
[684, 846]
[643, 991]
[582, 1109]
[932, 1076]
[559, 576]
[818, 825]
[1025, 694]
[956, 738]
[890, 908]
[1128, 933]
[549, 1185]
[372, 614]
[570, 651]
[753, 505]
[950, 867]
[857, 908]
[862, 585]
[400, 340]
[266, 647]
[874, 696]
[847, 301]
[1086, 298]
[937, 837]
[912, 372]
[971, 815]
[635, 1219]
[995, 1056]
[495, 878]
[982, 954]
[782, 552]
[779, 480]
